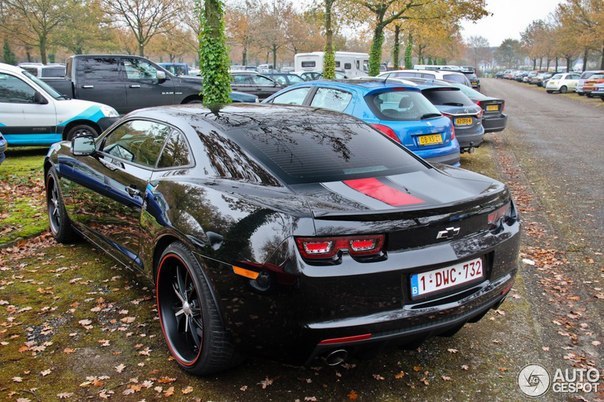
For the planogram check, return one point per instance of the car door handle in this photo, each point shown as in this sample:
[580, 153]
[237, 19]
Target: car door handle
[88, 86]
[133, 191]
[135, 86]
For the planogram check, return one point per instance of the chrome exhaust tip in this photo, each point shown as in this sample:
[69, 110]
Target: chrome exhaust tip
[336, 357]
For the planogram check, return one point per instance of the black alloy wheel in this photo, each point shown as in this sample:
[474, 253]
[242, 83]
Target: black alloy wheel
[188, 315]
[60, 225]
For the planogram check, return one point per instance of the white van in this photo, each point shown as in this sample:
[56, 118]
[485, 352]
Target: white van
[352, 64]
[33, 113]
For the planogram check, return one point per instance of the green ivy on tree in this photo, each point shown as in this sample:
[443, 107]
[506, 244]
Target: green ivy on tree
[7, 54]
[213, 55]
[375, 55]
[409, 52]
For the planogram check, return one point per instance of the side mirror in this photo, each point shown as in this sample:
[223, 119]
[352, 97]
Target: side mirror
[83, 145]
[39, 99]
[161, 76]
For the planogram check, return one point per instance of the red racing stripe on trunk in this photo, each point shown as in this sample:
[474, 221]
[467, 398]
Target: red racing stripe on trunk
[374, 188]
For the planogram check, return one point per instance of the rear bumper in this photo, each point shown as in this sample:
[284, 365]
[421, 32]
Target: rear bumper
[469, 140]
[495, 123]
[445, 317]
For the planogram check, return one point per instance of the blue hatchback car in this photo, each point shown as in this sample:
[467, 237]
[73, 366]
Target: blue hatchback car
[3, 146]
[397, 110]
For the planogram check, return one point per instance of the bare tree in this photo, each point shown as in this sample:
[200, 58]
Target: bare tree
[145, 18]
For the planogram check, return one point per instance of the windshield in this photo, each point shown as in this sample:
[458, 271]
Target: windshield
[557, 77]
[401, 105]
[447, 96]
[47, 88]
[455, 78]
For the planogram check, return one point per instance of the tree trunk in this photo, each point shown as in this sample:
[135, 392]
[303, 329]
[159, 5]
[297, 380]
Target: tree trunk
[274, 51]
[396, 51]
[540, 63]
[42, 43]
[585, 55]
[141, 49]
[329, 60]
[214, 57]
[602, 59]
[568, 63]
[375, 56]
[534, 64]
[244, 56]
[556, 65]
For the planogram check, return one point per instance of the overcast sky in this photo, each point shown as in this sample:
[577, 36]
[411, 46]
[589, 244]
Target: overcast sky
[509, 19]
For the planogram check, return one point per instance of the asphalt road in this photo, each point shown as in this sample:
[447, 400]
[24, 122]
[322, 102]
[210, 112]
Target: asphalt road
[551, 156]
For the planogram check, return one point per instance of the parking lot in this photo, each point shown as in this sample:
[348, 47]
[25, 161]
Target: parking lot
[74, 326]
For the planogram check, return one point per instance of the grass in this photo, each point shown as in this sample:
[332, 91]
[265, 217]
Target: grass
[22, 204]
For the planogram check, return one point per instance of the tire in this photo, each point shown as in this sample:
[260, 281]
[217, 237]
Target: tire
[580, 93]
[549, 92]
[80, 129]
[589, 95]
[602, 98]
[60, 225]
[189, 317]
[194, 101]
[563, 89]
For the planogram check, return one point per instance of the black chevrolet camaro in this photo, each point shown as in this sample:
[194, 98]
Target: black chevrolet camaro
[285, 231]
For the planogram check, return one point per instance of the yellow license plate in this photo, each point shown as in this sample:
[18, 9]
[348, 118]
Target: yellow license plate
[492, 108]
[430, 139]
[463, 121]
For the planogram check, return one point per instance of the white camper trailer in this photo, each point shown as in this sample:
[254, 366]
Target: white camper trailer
[350, 63]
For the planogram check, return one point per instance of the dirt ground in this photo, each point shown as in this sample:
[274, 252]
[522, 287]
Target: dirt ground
[75, 326]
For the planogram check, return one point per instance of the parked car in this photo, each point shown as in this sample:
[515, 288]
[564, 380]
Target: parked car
[253, 83]
[535, 77]
[3, 148]
[285, 231]
[443, 75]
[127, 82]
[465, 115]
[584, 76]
[176, 68]
[520, 76]
[590, 83]
[397, 110]
[285, 79]
[562, 83]
[40, 70]
[598, 91]
[493, 118]
[308, 75]
[33, 113]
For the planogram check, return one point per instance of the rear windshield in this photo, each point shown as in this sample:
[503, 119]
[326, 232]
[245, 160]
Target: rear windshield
[53, 72]
[557, 77]
[401, 105]
[455, 78]
[312, 153]
[447, 97]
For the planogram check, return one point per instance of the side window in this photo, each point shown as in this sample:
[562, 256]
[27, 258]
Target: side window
[13, 90]
[98, 68]
[347, 66]
[137, 141]
[280, 79]
[176, 152]
[358, 64]
[337, 64]
[332, 99]
[260, 80]
[137, 69]
[308, 64]
[293, 97]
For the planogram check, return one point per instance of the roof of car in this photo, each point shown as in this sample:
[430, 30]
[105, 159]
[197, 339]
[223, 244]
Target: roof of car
[366, 84]
[236, 115]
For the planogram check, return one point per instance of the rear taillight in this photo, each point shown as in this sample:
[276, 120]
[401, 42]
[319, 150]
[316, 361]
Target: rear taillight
[480, 114]
[452, 132]
[387, 131]
[495, 217]
[329, 247]
[502, 106]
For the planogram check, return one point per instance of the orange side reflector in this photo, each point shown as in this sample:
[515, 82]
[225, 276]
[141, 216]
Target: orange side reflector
[245, 272]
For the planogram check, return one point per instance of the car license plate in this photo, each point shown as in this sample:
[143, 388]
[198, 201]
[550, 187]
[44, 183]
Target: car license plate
[491, 108]
[463, 121]
[430, 139]
[445, 278]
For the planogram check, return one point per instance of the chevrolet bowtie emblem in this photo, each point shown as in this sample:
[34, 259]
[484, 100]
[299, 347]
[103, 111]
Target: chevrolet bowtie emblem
[448, 233]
